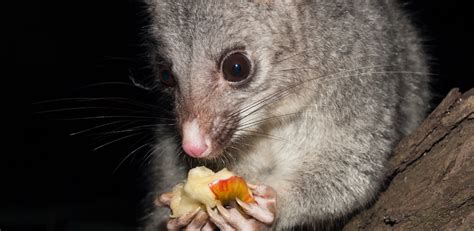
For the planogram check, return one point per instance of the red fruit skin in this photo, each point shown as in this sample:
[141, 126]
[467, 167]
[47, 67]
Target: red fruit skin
[227, 190]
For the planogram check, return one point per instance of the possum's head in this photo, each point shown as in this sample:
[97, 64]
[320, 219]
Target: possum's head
[215, 58]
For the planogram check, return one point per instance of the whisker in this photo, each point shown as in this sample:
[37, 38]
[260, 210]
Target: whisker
[148, 157]
[117, 140]
[86, 99]
[134, 129]
[123, 100]
[83, 108]
[310, 52]
[252, 123]
[127, 156]
[232, 158]
[293, 55]
[109, 83]
[114, 117]
[264, 135]
[340, 72]
[325, 78]
[139, 85]
[276, 94]
[266, 102]
[259, 104]
[120, 127]
[96, 127]
[286, 91]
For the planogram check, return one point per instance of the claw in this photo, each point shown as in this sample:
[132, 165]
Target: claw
[182, 221]
[264, 191]
[238, 220]
[252, 186]
[208, 226]
[198, 222]
[223, 211]
[164, 199]
[218, 220]
[258, 211]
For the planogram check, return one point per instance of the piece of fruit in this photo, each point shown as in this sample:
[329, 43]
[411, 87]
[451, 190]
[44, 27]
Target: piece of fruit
[204, 187]
[181, 204]
[226, 190]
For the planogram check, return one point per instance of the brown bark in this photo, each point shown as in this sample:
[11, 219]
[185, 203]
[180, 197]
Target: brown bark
[432, 175]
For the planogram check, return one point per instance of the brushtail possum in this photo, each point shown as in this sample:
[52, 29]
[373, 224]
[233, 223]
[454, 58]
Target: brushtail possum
[305, 99]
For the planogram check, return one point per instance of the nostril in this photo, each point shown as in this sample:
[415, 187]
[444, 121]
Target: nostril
[195, 142]
[195, 150]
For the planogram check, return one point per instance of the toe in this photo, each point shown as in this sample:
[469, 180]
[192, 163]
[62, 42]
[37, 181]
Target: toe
[252, 186]
[223, 211]
[209, 226]
[237, 220]
[164, 199]
[258, 212]
[218, 220]
[241, 222]
[233, 217]
[264, 191]
[268, 204]
[181, 221]
[198, 222]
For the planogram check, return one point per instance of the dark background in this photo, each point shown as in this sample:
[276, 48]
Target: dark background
[62, 50]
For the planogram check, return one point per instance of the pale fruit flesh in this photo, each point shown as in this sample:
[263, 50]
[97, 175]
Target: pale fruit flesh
[204, 187]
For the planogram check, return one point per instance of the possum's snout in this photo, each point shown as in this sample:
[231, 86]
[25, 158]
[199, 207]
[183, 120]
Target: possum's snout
[196, 142]
[207, 138]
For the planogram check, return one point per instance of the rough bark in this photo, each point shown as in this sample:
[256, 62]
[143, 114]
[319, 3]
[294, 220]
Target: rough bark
[431, 173]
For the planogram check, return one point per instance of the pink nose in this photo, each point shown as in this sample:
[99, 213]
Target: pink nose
[194, 150]
[195, 142]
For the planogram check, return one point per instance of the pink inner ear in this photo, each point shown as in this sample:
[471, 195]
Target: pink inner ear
[195, 143]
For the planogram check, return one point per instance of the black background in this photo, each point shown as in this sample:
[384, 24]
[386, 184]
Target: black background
[62, 49]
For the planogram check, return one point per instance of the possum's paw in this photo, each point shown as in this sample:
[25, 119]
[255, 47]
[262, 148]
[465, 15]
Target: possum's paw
[204, 187]
[191, 221]
[258, 215]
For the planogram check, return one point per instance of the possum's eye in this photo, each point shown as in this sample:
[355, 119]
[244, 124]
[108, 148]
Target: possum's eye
[236, 67]
[167, 78]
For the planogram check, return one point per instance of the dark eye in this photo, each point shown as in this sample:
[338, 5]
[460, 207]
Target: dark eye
[167, 78]
[236, 67]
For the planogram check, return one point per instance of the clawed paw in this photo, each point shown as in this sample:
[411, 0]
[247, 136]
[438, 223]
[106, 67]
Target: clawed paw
[194, 221]
[241, 216]
[230, 219]
[255, 215]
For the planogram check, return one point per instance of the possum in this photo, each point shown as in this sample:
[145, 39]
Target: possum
[305, 99]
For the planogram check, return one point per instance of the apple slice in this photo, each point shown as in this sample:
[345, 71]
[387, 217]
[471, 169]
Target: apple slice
[204, 187]
[181, 203]
[226, 190]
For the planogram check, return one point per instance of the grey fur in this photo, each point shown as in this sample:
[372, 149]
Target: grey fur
[356, 81]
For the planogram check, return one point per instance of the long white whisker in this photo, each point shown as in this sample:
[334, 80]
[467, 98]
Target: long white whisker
[262, 134]
[130, 154]
[116, 140]
[84, 108]
[97, 127]
[133, 129]
[114, 117]
[251, 123]
[122, 100]
[321, 80]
